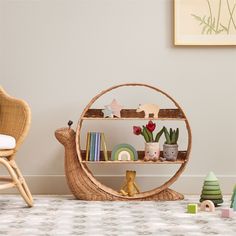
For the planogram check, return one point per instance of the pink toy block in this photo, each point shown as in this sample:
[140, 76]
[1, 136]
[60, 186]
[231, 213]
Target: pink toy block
[227, 213]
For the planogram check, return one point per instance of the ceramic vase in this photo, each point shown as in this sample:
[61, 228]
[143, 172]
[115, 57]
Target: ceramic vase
[170, 152]
[152, 151]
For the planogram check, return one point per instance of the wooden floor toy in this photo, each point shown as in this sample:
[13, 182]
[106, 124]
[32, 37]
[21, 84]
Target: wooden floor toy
[192, 208]
[227, 213]
[207, 205]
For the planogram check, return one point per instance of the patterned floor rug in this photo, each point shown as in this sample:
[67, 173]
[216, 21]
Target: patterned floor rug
[62, 215]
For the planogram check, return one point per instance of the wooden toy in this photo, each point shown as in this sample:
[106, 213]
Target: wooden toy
[107, 112]
[227, 213]
[211, 190]
[234, 203]
[115, 107]
[233, 198]
[207, 205]
[130, 188]
[192, 208]
[149, 109]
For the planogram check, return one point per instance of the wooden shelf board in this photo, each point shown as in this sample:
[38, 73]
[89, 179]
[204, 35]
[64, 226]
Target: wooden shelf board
[180, 160]
[131, 114]
[135, 162]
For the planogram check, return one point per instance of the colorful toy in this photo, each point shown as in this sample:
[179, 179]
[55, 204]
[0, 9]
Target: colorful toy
[211, 190]
[233, 199]
[124, 152]
[113, 109]
[227, 213]
[130, 188]
[192, 208]
[207, 205]
[149, 109]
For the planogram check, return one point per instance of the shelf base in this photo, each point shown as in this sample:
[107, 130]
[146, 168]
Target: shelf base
[166, 195]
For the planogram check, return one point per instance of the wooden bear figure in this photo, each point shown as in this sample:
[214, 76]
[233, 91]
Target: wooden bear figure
[130, 188]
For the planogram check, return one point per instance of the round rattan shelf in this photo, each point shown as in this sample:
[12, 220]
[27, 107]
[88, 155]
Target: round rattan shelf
[95, 190]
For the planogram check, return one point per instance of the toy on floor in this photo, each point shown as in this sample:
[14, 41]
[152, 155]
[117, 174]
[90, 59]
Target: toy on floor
[233, 198]
[192, 208]
[149, 109]
[211, 190]
[207, 205]
[227, 213]
[130, 188]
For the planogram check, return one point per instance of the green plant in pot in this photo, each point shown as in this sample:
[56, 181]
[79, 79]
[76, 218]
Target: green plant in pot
[170, 147]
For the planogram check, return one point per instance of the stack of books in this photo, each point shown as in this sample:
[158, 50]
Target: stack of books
[95, 142]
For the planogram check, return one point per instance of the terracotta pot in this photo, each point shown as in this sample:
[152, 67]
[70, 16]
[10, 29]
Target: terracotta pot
[170, 152]
[152, 151]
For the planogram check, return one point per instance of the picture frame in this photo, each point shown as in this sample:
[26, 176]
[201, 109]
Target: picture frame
[204, 22]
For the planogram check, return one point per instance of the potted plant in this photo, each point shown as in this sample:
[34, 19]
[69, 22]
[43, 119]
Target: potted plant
[170, 147]
[152, 147]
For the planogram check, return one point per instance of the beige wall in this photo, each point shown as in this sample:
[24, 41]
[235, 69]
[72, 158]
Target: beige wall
[58, 54]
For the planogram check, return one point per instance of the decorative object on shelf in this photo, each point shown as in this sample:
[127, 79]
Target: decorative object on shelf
[152, 147]
[192, 208]
[170, 147]
[129, 188]
[124, 152]
[207, 205]
[201, 22]
[227, 213]
[149, 109]
[211, 190]
[112, 110]
[233, 199]
[93, 146]
[70, 123]
[81, 181]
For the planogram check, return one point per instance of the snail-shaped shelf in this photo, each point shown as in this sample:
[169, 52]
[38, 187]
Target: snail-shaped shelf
[81, 181]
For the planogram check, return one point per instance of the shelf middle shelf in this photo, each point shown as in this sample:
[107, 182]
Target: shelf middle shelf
[180, 160]
[131, 114]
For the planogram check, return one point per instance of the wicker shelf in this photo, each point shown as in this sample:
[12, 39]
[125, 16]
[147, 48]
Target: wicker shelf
[131, 114]
[83, 183]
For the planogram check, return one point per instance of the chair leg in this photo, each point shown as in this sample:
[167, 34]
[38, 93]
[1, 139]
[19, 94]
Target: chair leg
[22, 187]
[19, 180]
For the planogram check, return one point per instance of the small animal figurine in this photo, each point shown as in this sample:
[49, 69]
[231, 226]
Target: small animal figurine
[227, 213]
[207, 205]
[130, 188]
[149, 109]
[192, 208]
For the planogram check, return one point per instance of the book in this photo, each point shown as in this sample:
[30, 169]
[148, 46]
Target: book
[92, 146]
[104, 147]
[98, 146]
[87, 146]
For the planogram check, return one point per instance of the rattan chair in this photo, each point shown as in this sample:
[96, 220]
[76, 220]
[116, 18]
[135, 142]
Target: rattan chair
[15, 118]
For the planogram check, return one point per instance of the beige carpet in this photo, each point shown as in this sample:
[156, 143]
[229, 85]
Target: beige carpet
[61, 215]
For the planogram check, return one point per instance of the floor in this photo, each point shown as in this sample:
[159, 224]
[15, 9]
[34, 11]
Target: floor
[62, 215]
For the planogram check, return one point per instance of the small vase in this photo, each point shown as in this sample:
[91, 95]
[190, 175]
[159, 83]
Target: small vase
[170, 152]
[152, 151]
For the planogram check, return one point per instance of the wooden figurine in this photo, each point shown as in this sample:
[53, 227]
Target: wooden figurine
[130, 188]
[192, 208]
[207, 205]
[149, 109]
[113, 109]
[227, 213]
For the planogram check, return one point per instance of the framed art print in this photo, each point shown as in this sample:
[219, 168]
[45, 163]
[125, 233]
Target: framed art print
[205, 22]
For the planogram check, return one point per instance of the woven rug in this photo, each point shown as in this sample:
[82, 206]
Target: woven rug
[61, 215]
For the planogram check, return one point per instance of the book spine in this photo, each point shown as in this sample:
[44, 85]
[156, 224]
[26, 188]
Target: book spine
[104, 147]
[91, 154]
[87, 146]
[98, 146]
